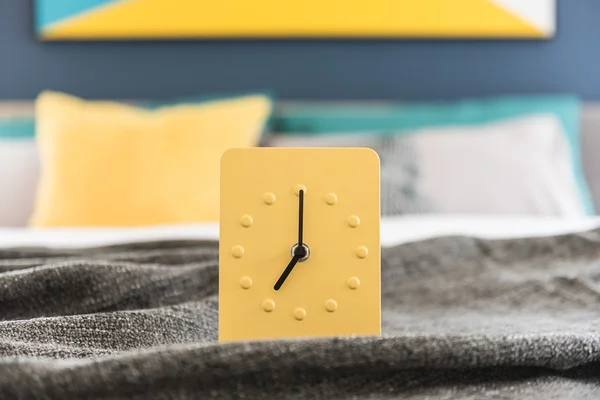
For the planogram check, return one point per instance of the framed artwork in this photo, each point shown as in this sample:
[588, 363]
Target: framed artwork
[181, 19]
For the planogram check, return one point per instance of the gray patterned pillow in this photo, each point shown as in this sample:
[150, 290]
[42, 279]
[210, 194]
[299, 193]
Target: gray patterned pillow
[520, 166]
[399, 166]
[399, 176]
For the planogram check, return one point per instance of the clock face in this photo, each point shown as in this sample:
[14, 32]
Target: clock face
[299, 244]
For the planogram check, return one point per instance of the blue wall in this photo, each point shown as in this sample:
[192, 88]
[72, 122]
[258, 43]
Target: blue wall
[304, 69]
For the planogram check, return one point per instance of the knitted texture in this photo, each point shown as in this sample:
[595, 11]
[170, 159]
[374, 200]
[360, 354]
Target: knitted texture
[463, 318]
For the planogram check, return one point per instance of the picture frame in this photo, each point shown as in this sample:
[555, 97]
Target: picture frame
[240, 19]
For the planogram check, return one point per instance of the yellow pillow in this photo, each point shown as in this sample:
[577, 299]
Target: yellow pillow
[111, 164]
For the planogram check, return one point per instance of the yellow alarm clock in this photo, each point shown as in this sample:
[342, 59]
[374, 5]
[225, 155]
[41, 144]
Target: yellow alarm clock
[299, 243]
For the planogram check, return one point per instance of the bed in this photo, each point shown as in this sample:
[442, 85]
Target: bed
[473, 307]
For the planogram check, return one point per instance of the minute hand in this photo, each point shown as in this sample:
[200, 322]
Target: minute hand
[286, 272]
[300, 217]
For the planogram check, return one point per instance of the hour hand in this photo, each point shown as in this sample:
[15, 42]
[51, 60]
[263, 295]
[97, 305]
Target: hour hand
[286, 272]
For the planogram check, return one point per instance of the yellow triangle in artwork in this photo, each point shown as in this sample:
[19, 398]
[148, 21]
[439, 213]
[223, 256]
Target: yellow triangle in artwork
[295, 18]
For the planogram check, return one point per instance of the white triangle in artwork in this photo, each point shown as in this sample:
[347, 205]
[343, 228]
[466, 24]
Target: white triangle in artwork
[539, 13]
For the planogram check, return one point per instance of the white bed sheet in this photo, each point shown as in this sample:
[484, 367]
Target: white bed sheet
[394, 231]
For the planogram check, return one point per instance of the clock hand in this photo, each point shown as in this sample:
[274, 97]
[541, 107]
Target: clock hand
[300, 217]
[299, 251]
[286, 272]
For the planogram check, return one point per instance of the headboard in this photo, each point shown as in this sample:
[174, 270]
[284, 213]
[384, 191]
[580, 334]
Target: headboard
[590, 140]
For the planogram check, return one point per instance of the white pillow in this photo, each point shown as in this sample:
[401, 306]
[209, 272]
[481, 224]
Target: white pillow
[19, 171]
[519, 166]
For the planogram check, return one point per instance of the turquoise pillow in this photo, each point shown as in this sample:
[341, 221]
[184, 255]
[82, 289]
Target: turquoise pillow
[17, 127]
[314, 119]
[205, 98]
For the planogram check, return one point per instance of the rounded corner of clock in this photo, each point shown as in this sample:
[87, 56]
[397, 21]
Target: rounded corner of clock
[229, 153]
[225, 155]
[371, 153]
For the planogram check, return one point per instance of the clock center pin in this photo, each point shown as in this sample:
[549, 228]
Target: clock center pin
[302, 252]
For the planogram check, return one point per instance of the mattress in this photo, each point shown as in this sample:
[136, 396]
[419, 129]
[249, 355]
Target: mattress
[394, 231]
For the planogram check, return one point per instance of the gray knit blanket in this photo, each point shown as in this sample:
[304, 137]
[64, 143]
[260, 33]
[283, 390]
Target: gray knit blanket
[463, 318]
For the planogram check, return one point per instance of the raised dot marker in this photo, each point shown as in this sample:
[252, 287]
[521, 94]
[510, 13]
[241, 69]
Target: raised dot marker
[353, 221]
[331, 198]
[246, 282]
[268, 305]
[246, 221]
[299, 313]
[298, 188]
[269, 198]
[331, 305]
[237, 251]
[362, 252]
[353, 283]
